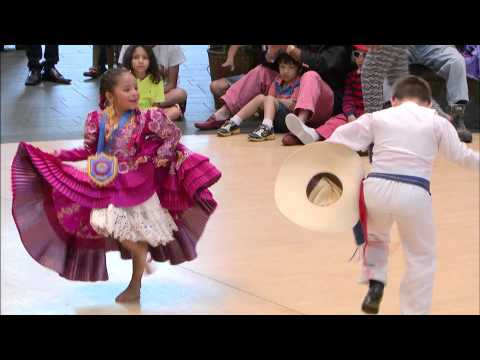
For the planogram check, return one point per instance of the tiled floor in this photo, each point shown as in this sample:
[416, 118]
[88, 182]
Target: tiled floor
[251, 259]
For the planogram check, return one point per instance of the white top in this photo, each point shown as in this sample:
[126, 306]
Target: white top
[407, 139]
[166, 55]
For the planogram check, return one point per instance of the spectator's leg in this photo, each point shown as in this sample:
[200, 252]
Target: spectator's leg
[388, 61]
[174, 113]
[51, 56]
[449, 64]
[270, 111]
[34, 55]
[375, 68]
[314, 106]
[98, 59]
[232, 126]
[110, 55]
[102, 58]
[50, 73]
[116, 53]
[316, 97]
[251, 107]
[399, 64]
[174, 96]
[308, 135]
[96, 52]
[326, 130]
[429, 56]
[256, 81]
[219, 87]
[399, 68]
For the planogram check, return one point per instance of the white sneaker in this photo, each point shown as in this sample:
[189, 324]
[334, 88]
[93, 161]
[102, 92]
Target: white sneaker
[306, 134]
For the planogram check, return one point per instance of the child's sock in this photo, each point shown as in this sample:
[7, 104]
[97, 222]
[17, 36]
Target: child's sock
[237, 120]
[222, 114]
[268, 122]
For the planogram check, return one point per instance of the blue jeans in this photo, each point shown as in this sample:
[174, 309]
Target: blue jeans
[448, 63]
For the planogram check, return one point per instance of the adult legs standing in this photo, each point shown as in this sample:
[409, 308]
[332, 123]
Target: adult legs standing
[51, 56]
[50, 73]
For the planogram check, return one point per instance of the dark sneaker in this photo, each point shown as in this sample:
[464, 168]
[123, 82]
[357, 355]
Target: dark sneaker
[458, 111]
[262, 133]
[228, 129]
[463, 133]
[371, 303]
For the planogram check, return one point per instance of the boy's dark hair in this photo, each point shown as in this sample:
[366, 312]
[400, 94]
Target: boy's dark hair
[153, 68]
[287, 59]
[412, 87]
[108, 81]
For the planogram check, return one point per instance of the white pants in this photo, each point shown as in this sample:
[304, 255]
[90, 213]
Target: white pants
[411, 207]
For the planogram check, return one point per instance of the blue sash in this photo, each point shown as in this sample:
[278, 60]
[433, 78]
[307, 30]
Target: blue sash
[101, 136]
[406, 179]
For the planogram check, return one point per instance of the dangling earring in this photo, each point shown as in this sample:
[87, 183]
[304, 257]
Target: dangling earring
[110, 110]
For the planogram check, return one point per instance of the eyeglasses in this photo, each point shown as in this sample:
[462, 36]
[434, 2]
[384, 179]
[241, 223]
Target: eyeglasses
[358, 54]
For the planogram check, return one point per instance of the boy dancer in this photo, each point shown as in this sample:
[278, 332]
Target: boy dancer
[407, 138]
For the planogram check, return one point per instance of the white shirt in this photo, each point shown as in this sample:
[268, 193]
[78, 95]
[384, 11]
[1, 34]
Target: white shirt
[166, 55]
[407, 139]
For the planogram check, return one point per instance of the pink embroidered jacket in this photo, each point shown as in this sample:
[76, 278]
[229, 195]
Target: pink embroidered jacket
[148, 137]
[132, 142]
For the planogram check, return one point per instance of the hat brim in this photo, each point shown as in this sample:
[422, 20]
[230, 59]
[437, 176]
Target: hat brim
[295, 175]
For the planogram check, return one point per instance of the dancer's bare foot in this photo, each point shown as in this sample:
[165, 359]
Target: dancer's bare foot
[130, 294]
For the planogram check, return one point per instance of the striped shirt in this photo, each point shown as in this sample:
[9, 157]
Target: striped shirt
[352, 97]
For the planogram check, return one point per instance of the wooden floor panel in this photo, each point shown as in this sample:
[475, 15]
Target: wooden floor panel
[251, 259]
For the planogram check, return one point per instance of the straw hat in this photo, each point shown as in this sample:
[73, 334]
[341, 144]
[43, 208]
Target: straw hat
[329, 202]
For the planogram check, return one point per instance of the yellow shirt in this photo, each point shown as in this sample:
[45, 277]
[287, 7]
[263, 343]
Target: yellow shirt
[150, 93]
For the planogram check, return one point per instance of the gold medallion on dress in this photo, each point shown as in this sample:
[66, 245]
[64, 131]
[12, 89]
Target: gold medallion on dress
[102, 168]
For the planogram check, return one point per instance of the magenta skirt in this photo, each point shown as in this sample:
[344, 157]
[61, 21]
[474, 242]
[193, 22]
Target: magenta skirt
[52, 202]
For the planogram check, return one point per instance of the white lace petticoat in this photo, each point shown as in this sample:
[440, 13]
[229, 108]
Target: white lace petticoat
[147, 222]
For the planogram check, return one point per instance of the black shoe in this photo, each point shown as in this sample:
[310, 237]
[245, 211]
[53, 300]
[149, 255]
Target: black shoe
[371, 303]
[94, 73]
[34, 77]
[52, 74]
[261, 133]
[458, 111]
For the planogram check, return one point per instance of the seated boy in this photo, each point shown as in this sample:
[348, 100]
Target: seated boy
[279, 102]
